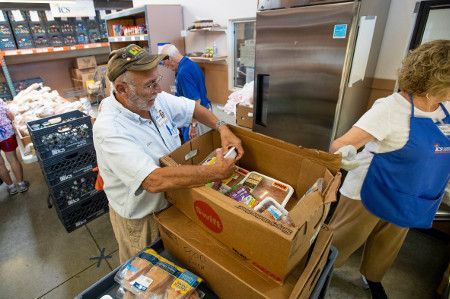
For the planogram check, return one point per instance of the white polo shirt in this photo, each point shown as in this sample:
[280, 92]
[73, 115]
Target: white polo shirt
[128, 149]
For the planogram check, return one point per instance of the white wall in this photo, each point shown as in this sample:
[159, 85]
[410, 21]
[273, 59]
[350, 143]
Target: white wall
[396, 38]
[218, 10]
[395, 42]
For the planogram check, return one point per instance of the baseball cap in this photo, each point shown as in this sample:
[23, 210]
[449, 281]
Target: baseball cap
[131, 58]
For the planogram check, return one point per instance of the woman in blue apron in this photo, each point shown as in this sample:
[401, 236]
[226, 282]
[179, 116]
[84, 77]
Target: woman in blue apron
[398, 180]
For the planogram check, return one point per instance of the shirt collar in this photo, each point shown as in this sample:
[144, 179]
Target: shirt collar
[183, 61]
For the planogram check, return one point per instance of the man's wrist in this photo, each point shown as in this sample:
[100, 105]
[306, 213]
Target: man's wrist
[220, 124]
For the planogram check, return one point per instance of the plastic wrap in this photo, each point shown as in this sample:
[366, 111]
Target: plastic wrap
[262, 186]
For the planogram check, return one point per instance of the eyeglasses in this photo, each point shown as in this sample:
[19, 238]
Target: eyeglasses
[154, 83]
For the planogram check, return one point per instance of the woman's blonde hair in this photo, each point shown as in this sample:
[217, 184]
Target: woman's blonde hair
[426, 70]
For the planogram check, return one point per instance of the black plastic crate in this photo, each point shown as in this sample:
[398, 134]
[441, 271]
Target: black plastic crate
[61, 133]
[81, 26]
[24, 41]
[20, 28]
[5, 30]
[82, 38]
[94, 35]
[74, 191]
[70, 39]
[41, 41]
[23, 84]
[7, 43]
[66, 166]
[67, 27]
[53, 28]
[78, 215]
[38, 29]
[56, 40]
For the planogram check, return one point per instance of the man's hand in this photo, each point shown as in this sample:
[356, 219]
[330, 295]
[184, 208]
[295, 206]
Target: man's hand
[229, 140]
[224, 168]
[193, 129]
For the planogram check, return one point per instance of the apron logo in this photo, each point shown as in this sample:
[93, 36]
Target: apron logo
[441, 149]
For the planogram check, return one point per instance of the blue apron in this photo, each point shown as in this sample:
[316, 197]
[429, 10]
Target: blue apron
[406, 186]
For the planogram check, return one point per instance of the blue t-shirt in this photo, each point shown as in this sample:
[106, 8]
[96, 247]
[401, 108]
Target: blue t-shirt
[190, 83]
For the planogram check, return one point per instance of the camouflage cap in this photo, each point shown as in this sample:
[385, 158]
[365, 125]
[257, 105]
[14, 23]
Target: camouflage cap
[131, 58]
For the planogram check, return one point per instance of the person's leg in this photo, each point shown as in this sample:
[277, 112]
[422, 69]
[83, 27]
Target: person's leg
[16, 167]
[4, 173]
[132, 235]
[381, 249]
[352, 224]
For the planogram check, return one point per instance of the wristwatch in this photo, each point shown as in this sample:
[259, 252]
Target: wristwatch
[219, 123]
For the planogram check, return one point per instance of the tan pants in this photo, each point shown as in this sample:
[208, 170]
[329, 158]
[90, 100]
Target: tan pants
[132, 234]
[355, 226]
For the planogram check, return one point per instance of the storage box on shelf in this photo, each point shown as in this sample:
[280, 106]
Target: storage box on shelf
[6, 33]
[20, 25]
[66, 155]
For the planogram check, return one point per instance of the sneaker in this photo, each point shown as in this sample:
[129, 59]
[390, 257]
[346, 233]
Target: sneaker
[12, 190]
[377, 290]
[23, 186]
[364, 282]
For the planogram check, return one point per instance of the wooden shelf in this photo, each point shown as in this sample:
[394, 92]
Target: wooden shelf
[211, 60]
[117, 39]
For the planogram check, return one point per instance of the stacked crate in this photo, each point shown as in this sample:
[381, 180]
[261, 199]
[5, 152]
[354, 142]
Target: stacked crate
[38, 28]
[81, 28]
[21, 28]
[6, 34]
[65, 151]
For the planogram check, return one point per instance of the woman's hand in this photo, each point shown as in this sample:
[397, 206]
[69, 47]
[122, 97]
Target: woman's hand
[229, 140]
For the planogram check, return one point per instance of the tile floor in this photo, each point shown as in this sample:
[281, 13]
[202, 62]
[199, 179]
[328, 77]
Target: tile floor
[39, 259]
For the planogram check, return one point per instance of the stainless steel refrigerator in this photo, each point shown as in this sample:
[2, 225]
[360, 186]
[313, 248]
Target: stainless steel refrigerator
[314, 67]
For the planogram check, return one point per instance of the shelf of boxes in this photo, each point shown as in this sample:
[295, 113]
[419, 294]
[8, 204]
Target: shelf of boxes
[116, 39]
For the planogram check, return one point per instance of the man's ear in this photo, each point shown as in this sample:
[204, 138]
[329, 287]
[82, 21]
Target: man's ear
[121, 87]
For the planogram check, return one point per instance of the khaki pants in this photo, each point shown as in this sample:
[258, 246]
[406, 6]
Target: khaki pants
[132, 234]
[355, 226]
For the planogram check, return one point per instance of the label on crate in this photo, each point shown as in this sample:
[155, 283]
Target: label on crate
[34, 17]
[17, 15]
[72, 201]
[79, 223]
[58, 151]
[65, 177]
[49, 15]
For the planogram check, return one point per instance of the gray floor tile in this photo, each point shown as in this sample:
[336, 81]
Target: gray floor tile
[103, 234]
[78, 283]
[114, 260]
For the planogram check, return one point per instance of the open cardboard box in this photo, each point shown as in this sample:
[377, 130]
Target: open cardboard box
[270, 246]
[226, 272]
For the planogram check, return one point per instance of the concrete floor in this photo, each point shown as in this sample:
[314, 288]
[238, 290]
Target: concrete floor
[39, 259]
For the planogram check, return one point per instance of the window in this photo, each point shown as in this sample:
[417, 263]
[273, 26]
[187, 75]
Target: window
[243, 52]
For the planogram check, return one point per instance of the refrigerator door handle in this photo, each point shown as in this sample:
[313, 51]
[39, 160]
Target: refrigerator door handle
[262, 92]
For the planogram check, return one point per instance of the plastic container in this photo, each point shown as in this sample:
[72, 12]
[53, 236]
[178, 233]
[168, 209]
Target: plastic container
[74, 191]
[60, 133]
[78, 215]
[262, 186]
[7, 43]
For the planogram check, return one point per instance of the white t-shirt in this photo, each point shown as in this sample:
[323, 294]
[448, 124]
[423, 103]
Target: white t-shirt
[128, 149]
[388, 121]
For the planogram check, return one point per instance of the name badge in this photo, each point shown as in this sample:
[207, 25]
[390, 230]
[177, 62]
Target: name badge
[445, 129]
[161, 118]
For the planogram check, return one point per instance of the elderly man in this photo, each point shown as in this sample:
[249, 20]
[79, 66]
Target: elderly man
[190, 83]
[136, 126]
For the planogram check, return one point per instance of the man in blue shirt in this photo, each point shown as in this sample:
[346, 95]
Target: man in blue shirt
[190, 83]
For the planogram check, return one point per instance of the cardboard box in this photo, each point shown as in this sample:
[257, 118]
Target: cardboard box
[241, 228]
[81, 77]
[226, 272]
[244, 116]
[85, 62]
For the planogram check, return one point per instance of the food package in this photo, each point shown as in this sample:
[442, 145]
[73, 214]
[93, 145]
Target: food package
[242, 194]
[270, 208]
[149, 275]
[225, 186]
[262, 186]
[38, 101]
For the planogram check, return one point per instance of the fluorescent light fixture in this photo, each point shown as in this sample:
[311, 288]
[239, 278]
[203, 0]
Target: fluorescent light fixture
[40, 1]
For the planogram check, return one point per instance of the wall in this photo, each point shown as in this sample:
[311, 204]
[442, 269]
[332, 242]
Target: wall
[397, 34]
[218, 10]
